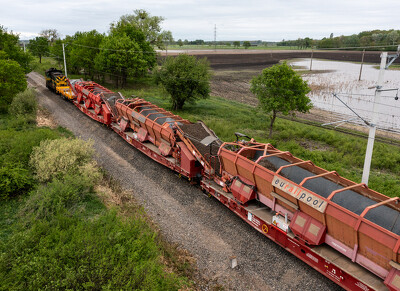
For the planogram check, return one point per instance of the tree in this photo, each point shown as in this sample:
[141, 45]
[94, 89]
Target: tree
[185, 78]
[122, 57]
[9, 44]
[149, 25]
[236, 43]
[246, 44]
[50, 34]
[393, 36]
[39, 47]
[179, 42]
[13, 80]
[280, 89]
[84, 50]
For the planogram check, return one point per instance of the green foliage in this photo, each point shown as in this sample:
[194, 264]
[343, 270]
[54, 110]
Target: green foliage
[16, 146]
[280, 89]
[246, 44]
[83, 51]
[24, 104]
[363, 39]
[57, 196]
[137, 35]
[236, 43]
[72, 253]
[39, 47]
[149, 25]
[121, 56]
[65, 238]
[10, 47]
[185, 78]
[12, 81]
[14, 179]
[57, 52]
[57, 158]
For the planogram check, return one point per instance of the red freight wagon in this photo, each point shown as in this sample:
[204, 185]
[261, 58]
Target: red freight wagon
[320, 206]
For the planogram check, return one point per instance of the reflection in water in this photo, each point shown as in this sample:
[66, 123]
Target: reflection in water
[329, 77]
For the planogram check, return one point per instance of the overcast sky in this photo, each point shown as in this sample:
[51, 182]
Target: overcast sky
[268, 20]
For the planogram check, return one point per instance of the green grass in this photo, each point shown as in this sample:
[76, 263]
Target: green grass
[46, 64]
[327, 148]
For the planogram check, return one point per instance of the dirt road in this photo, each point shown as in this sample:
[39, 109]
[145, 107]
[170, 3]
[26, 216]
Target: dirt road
[201, 225]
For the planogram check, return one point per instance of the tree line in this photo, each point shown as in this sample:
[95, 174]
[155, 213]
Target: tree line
[128, 50]
[363, 39]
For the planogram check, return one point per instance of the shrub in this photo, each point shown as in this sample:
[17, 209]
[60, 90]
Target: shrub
[69, 252]
[12, 81]
[24, 103]
[57, 158]
[16, 146]
[14, 180]
[56, 197]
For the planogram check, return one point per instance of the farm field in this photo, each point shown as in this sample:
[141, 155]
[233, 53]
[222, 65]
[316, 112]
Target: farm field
[233, 70]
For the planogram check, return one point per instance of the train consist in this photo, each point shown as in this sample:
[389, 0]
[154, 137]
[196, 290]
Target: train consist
[344, 230]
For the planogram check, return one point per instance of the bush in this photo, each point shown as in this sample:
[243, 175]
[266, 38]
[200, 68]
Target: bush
[57, 158]
[185, 78]
[14, 180]
[16, 146]
[56, 197]
[12, 81]
[24, 103]
[69, 252]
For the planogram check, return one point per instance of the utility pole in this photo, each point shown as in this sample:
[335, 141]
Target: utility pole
[372, 127]
[65, 63]
[362, 62]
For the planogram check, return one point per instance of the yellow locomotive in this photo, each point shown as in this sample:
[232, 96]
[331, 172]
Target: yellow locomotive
[58, 83]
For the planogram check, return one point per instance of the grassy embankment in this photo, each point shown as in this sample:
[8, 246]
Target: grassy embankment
[64, 224]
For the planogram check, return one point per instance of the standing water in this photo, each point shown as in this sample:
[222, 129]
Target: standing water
[328, 77]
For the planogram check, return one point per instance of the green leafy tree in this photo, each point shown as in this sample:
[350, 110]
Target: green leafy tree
[280, 89]
[145, 49]
[56, 52]
[185, 78]
[246, 44]
[236, 43]
[13, 80]
[9, 44]
[84, 50]
[39, 47]
[121, 57]
[393, 36]
[149, 25]
[179, 42]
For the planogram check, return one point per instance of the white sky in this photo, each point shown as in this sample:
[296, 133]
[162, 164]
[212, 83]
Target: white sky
[268, 20]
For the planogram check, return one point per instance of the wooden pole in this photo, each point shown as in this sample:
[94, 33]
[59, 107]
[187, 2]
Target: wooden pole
[362, 62]
[312, 54]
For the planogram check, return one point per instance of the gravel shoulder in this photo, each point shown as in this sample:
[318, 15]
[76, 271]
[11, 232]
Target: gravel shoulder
[185, 216]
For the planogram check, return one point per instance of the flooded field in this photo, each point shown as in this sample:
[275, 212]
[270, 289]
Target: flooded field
[342, 78]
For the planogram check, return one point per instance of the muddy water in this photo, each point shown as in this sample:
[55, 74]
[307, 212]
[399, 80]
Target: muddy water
[330, 77]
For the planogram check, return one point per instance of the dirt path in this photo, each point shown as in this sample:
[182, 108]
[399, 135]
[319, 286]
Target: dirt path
[201, 225]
